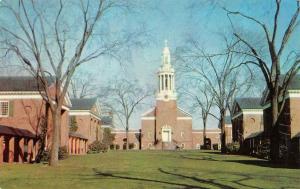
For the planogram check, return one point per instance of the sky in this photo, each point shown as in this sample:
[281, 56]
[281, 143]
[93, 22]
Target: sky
[175, 21]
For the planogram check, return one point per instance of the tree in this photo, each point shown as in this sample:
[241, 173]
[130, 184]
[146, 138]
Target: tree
[108, 137]
[73, 124]
[83, 85]
[124, 98]
[271, 64]
[52, 45]
[219, 72]
[201, 100]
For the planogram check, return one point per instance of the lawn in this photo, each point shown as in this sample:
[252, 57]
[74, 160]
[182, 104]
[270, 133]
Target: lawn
[150, 169]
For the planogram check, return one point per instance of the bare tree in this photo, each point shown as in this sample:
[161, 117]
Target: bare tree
[271, 65]
[124, 97]
[53, 40]
[83, 85]
[201, 100]
[219, 73]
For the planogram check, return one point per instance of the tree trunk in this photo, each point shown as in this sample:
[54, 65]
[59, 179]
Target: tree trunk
[204, 131]
[127, 139]
[223, 135]
[56, 121]
[274, 132]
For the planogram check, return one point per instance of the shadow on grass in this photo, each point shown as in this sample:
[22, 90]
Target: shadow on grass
[262, 163]
[111, 175]
[212, 152]
[208, 182]
[208, 158]
[211, 182]
[255, 162]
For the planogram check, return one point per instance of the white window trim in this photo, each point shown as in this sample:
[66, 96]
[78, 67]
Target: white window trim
[170, 134]
[7, 108]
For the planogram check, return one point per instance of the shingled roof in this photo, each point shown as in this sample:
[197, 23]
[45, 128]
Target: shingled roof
[227, 120]
[249, 103]
[77, 135]
[19, 83]
[294, 84]
[106, 120]
[83, 104]
[6, 130]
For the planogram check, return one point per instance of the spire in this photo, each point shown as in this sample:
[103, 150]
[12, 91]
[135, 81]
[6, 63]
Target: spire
[166, 77]
[166, 54]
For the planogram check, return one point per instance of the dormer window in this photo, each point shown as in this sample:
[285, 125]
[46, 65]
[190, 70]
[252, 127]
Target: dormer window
[4, 108]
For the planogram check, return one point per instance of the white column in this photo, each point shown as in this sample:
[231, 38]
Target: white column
[160, 84]
[164, 87]
[159, 89]
[170, 82]
[173, 82]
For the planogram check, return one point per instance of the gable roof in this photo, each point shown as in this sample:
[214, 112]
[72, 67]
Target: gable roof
[249, 103]
[227, 120]
[293, 85]
[106, 120]
[182, 113]
[149, 113]
[83, 104]
[19, 83]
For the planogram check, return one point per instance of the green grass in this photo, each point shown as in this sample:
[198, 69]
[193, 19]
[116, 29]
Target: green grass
[150, 169]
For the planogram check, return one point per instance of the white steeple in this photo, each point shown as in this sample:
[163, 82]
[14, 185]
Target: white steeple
[166, 77]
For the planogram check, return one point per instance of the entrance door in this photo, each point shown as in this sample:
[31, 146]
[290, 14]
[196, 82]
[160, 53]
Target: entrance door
[166, 135]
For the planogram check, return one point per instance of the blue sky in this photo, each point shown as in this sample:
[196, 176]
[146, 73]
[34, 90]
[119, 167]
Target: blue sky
[176, 21]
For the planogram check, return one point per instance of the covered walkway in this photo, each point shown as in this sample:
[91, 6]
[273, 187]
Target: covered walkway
[17, 145]
[77, 144]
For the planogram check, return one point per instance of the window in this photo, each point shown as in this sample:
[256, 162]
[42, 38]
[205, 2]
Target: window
[166, 135]
[3, 108]
[182, 134]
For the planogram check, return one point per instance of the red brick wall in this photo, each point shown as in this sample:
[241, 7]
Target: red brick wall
[252, 123]
[213, 135]
[27, 114]
[295, 116]
[228, 133]
[87, 126]
[148, 133]
[121, 135]
[167, 116]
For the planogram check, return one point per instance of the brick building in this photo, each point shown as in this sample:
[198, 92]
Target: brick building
[212, 134]
[166, 126]
[289, 121]
[86, 116]
[247, 123]
[228, 129]
[120, 139]
[23, 116]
